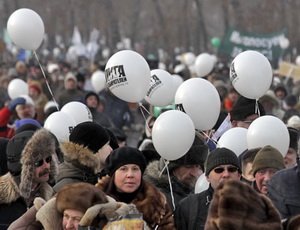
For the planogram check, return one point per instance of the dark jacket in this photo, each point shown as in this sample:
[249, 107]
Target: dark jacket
[80, 165]
[284, 191]
[191, 213]
[180, 191]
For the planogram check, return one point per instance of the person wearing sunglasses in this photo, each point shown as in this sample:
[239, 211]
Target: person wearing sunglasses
[221, 165]
[32, 169]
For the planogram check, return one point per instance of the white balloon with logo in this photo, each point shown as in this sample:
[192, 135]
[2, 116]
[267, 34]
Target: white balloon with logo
[128, 75]
[199, 99]
[26, 29]
[17, 87]
[251, 74]
[60, 124]
[78, 111]
[161, 89]
[234, 139]
[98, 81]
[173, 134]
[268, 130]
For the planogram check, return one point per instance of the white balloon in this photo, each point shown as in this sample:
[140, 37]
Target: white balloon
[60, 124]
[284, 43]
[297, 61]
[204, 64]
[202, 184]
[234, 139]
[200, 100]
[161, 89]
[128, 75]
[17, 87]
[78, 111]
[177, 81]
[98, 80]
[173, 134]
[188, 58]
[26, 28]
[251, 74]
[268, 130]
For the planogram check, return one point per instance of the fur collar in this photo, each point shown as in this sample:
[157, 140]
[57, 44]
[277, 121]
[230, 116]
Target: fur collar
[153, 175]
[78, 154]
[9, 190]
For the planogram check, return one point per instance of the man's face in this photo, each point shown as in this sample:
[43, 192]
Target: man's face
[42, 170]
[92, 102]
[25, 111]
[71, 219]
[222, 173]
[246, 122]
[290, 158]
[262, 176]
[188, 174]
[70, 84]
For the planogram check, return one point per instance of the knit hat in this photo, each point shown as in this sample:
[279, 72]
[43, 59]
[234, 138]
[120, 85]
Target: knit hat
[113, 140]
[196, 155]
[220, 156]
[20, 123]
[79, 196]
[267, 157]
[125, 155]
[35, 85]
[245, 107]
[294, 121]
[236, 205]
[90, 135]
[294, 138]
[14, 150]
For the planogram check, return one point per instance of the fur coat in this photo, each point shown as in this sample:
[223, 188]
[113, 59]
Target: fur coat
[235, 205]
[150, 202]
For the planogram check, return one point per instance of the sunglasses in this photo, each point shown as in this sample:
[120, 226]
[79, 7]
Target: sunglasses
[230, 169]
[41, 162]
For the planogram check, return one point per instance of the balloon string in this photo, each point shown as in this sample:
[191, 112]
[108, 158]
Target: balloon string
[142, 109]
[257, 108]
[208, 136]
[170, 183]
[166, 163]
[47, 83]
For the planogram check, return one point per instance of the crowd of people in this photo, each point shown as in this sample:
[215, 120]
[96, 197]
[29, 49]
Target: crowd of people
[108, 174]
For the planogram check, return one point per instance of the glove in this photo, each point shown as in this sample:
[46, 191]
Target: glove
[17, 101]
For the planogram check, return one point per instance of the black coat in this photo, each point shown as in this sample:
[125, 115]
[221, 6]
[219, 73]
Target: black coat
[191, 213]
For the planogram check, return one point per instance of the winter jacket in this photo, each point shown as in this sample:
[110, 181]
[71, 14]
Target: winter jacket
[191, 213]
[284, 191]
[80, 165]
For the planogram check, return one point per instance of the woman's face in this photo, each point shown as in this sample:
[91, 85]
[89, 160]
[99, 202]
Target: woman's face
[128, 178]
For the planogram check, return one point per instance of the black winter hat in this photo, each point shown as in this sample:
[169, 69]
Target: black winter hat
[125, 155]
[220, 156]
[245, 107]
[113, 140]
[90, 135]
[14, 150]
[196, 155]
[294, 138]
[91, 93]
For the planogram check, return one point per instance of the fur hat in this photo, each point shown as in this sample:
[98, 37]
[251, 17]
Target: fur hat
[267, 157]
[14, 150]
[79, 196]
[40, 146]
[125, 155]
[245, 107]
[294, 138]
[90, 135]
[236, 205]
[220, 156]
[196, 155]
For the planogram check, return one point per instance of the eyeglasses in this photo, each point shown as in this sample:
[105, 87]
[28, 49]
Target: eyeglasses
[41, 162]
[230, 169]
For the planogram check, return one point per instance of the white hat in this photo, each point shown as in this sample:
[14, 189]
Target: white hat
[28, 100]
[294, 121]
[49, 105]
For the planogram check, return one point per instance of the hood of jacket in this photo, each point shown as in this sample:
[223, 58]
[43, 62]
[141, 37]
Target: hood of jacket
[80, 156]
